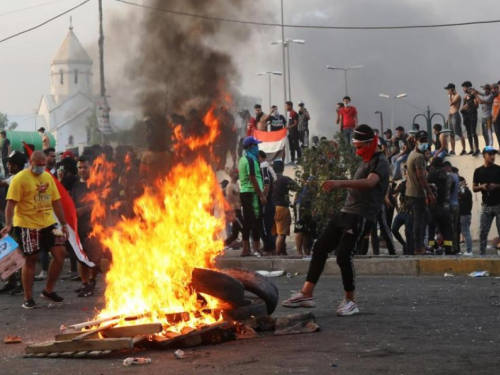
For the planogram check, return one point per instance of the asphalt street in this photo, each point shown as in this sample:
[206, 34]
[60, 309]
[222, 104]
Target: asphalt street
[407, 325]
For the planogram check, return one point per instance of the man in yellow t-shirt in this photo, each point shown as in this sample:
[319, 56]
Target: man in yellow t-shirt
[32, 201]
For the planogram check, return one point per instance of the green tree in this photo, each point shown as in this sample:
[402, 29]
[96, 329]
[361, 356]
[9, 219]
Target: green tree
[331, 160]
[4, 120]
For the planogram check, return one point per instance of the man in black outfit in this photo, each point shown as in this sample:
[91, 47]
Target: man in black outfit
[366, 194]
[487, 181]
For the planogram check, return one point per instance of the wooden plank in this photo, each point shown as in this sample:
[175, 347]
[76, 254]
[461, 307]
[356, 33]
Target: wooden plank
[116, 332]
[79, 346]
[132, 331]
[104, 327]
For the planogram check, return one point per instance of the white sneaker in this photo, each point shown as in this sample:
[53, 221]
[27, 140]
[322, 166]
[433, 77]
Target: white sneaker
[299, 300]
[347, 308]
[41, 276]
[468, 254]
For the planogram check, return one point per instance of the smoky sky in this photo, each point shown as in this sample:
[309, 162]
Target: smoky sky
[417, 62]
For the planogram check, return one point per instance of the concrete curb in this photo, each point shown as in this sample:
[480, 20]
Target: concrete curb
[402, 266]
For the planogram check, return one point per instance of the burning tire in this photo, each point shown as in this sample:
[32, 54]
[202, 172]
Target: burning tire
[256, 284]
[219, 285]
[255, 307]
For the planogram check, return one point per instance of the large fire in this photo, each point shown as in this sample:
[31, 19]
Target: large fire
[174, 230]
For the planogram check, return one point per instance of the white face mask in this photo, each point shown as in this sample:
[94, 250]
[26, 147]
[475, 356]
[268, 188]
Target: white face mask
[347, 104]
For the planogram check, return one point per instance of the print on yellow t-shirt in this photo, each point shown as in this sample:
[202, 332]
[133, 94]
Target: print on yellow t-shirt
[34, 196]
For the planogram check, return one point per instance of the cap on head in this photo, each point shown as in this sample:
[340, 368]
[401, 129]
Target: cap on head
[490, 150]
[249, 141]
[301, 104]
[486, 87]
[42, 129]
[467, 84]
[451, 86]
[363, 133]
[421, 135]
[388, 131]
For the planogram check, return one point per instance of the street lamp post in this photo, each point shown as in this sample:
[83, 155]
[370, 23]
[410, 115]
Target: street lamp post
[345, 70]
[269, 75]
[381, 121]
[287, 43]
[400, 96]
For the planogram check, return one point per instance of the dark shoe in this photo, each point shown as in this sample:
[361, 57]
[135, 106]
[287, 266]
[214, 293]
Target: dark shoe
[86, 291]
[17, 291]
[463, 153]
[476, 153]
[470, 152]
[451, 153]
[7, 288]
[53, 297]
[30, 304]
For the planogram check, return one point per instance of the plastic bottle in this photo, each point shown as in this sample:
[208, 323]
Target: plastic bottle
[136, 361]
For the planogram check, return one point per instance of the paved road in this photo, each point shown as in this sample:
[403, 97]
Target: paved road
[407, 325]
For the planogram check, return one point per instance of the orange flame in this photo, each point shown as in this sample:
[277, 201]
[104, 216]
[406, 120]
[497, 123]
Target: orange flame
[174, 231]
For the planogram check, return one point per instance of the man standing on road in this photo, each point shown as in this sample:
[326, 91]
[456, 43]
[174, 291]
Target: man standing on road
[348, 119]
[454, 120]
[486, 101]
[281, 200]
[32, 201]
[304, 118]
[418, 191]
[366, 194]
[293, 132]
[5, 150]
[83, 206]
[252, 195]
[487, 181]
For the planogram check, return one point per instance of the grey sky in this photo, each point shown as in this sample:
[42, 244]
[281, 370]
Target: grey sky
[417, 62]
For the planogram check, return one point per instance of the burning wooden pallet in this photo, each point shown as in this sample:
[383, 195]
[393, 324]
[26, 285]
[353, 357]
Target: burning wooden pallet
[107, 338]
[101, 337]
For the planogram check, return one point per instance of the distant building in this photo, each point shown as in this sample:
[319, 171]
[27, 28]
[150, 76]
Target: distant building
[66, 111]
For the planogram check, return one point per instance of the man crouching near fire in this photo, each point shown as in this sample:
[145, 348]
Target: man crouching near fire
[365, 196]
[32, 201]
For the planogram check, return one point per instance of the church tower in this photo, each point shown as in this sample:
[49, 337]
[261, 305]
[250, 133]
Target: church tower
[71, 69]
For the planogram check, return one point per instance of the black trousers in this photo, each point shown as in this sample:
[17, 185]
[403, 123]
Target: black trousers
[341, 233]
[237, 226]
[440, 217]
[470, 124]
[293, 141]
[251, 222]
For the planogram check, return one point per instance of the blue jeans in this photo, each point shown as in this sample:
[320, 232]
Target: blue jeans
[348, 135]
[397, 166]
[465, 229]
[441, 155]
[407, 221]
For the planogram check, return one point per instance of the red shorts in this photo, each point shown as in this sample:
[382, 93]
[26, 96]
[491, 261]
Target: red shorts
[31, 241]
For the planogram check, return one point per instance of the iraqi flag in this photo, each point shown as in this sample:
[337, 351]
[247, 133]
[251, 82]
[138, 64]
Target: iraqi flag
[272, 142]
[71, 218]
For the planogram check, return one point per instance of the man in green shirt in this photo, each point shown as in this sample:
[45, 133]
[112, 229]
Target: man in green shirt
[251, 194]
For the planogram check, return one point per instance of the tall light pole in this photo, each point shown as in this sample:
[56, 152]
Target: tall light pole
[269, 75]
[287, 44]
[283, 38]
[381, 121]
[354, 67]
[400, 96]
